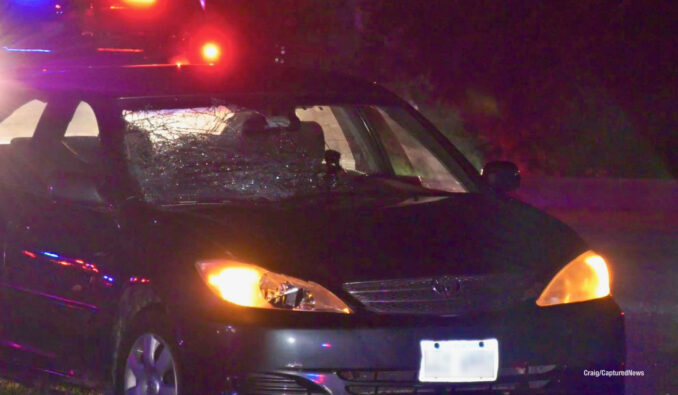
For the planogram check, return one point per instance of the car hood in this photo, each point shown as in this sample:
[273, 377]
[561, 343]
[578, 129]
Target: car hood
[460, 234]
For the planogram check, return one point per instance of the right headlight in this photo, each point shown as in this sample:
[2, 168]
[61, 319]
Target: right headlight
[253, 286]
[585, 278]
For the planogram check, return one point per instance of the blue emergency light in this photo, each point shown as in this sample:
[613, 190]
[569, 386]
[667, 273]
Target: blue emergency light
[34, 50]
[33, 3]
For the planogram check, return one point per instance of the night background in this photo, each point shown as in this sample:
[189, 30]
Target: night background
[583, 88]
[582, 95]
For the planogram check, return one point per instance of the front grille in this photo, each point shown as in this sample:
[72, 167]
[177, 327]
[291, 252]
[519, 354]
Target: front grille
[277, 384]
[522, 379]
[445, 295]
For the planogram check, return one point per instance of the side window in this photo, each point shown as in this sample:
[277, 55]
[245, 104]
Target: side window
[84, 122]
[82, 135]
[20, 121]
[28, 167]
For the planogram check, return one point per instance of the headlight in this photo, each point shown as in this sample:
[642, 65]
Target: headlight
[253, 286]
[585, 278]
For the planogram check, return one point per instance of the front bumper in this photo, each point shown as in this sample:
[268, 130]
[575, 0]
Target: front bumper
[541, 350]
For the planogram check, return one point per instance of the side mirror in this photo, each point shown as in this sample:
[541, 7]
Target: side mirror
[76, 188]
[502, 176]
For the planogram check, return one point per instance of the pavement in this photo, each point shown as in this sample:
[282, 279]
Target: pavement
[644, 267]
[634, 225]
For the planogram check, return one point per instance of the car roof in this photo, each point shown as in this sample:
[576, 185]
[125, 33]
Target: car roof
[171, 80]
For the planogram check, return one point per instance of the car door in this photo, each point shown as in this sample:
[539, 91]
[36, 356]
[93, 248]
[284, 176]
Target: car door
[58, 251]
[20, 113]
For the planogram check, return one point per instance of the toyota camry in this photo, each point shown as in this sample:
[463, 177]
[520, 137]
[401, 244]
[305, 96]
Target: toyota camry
[267, 230]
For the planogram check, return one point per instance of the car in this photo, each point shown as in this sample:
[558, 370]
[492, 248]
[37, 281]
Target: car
[175, 229]
[104, 32]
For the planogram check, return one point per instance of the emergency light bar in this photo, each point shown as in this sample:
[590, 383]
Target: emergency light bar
[119, 32]
[35, 50]
[139, 3]
[121, 50]
[32, 3]
[133, 4]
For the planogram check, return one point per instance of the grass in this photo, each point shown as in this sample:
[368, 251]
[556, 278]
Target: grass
[12, 388]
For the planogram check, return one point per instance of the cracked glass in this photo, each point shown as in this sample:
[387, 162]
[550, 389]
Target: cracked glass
[224, 152]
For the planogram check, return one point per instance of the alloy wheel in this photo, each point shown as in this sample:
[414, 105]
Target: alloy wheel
[150, 368]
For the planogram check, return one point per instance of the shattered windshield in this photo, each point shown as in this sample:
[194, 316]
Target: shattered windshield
[221, 152]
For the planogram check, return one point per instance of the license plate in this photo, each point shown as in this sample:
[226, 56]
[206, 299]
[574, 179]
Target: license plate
[459, 361]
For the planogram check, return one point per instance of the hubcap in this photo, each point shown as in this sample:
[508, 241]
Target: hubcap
[150, 368]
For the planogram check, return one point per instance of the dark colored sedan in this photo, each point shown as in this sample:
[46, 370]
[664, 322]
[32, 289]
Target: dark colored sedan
[265, 231]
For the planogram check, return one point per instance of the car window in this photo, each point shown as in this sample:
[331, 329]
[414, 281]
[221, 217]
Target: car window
[84, 122]
[81, 137]
[71, 146]
[262, 151]
[219, 152]
[332, 132]
[20, 114]
[414, 154]
[21, 121]
[344, 132]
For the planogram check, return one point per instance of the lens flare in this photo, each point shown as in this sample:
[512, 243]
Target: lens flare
[211, 52]
[239, 285]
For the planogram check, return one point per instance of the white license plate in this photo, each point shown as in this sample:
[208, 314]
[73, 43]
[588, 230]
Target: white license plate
[459, 361]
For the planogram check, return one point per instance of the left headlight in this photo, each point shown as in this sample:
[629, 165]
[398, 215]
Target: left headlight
[253, 286]
[585, 278]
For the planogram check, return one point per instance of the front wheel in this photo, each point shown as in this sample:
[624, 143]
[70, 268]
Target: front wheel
[151, 365]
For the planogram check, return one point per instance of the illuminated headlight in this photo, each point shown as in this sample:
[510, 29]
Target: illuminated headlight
[585, 278]
[252, 286]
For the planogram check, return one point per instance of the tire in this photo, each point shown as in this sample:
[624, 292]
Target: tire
[148, 362]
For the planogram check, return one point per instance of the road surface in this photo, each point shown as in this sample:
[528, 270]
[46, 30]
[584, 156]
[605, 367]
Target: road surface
[642, 250]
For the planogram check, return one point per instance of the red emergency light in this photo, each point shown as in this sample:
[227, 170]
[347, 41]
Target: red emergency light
[211, 52]
[121, 50]
[139, 3]
[205, 43]
[124, 4]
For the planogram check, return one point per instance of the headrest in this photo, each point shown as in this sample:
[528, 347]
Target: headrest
[311, 141]
[305, 143]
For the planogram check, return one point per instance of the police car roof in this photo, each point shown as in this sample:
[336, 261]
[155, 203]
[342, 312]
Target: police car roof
[169, 80]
